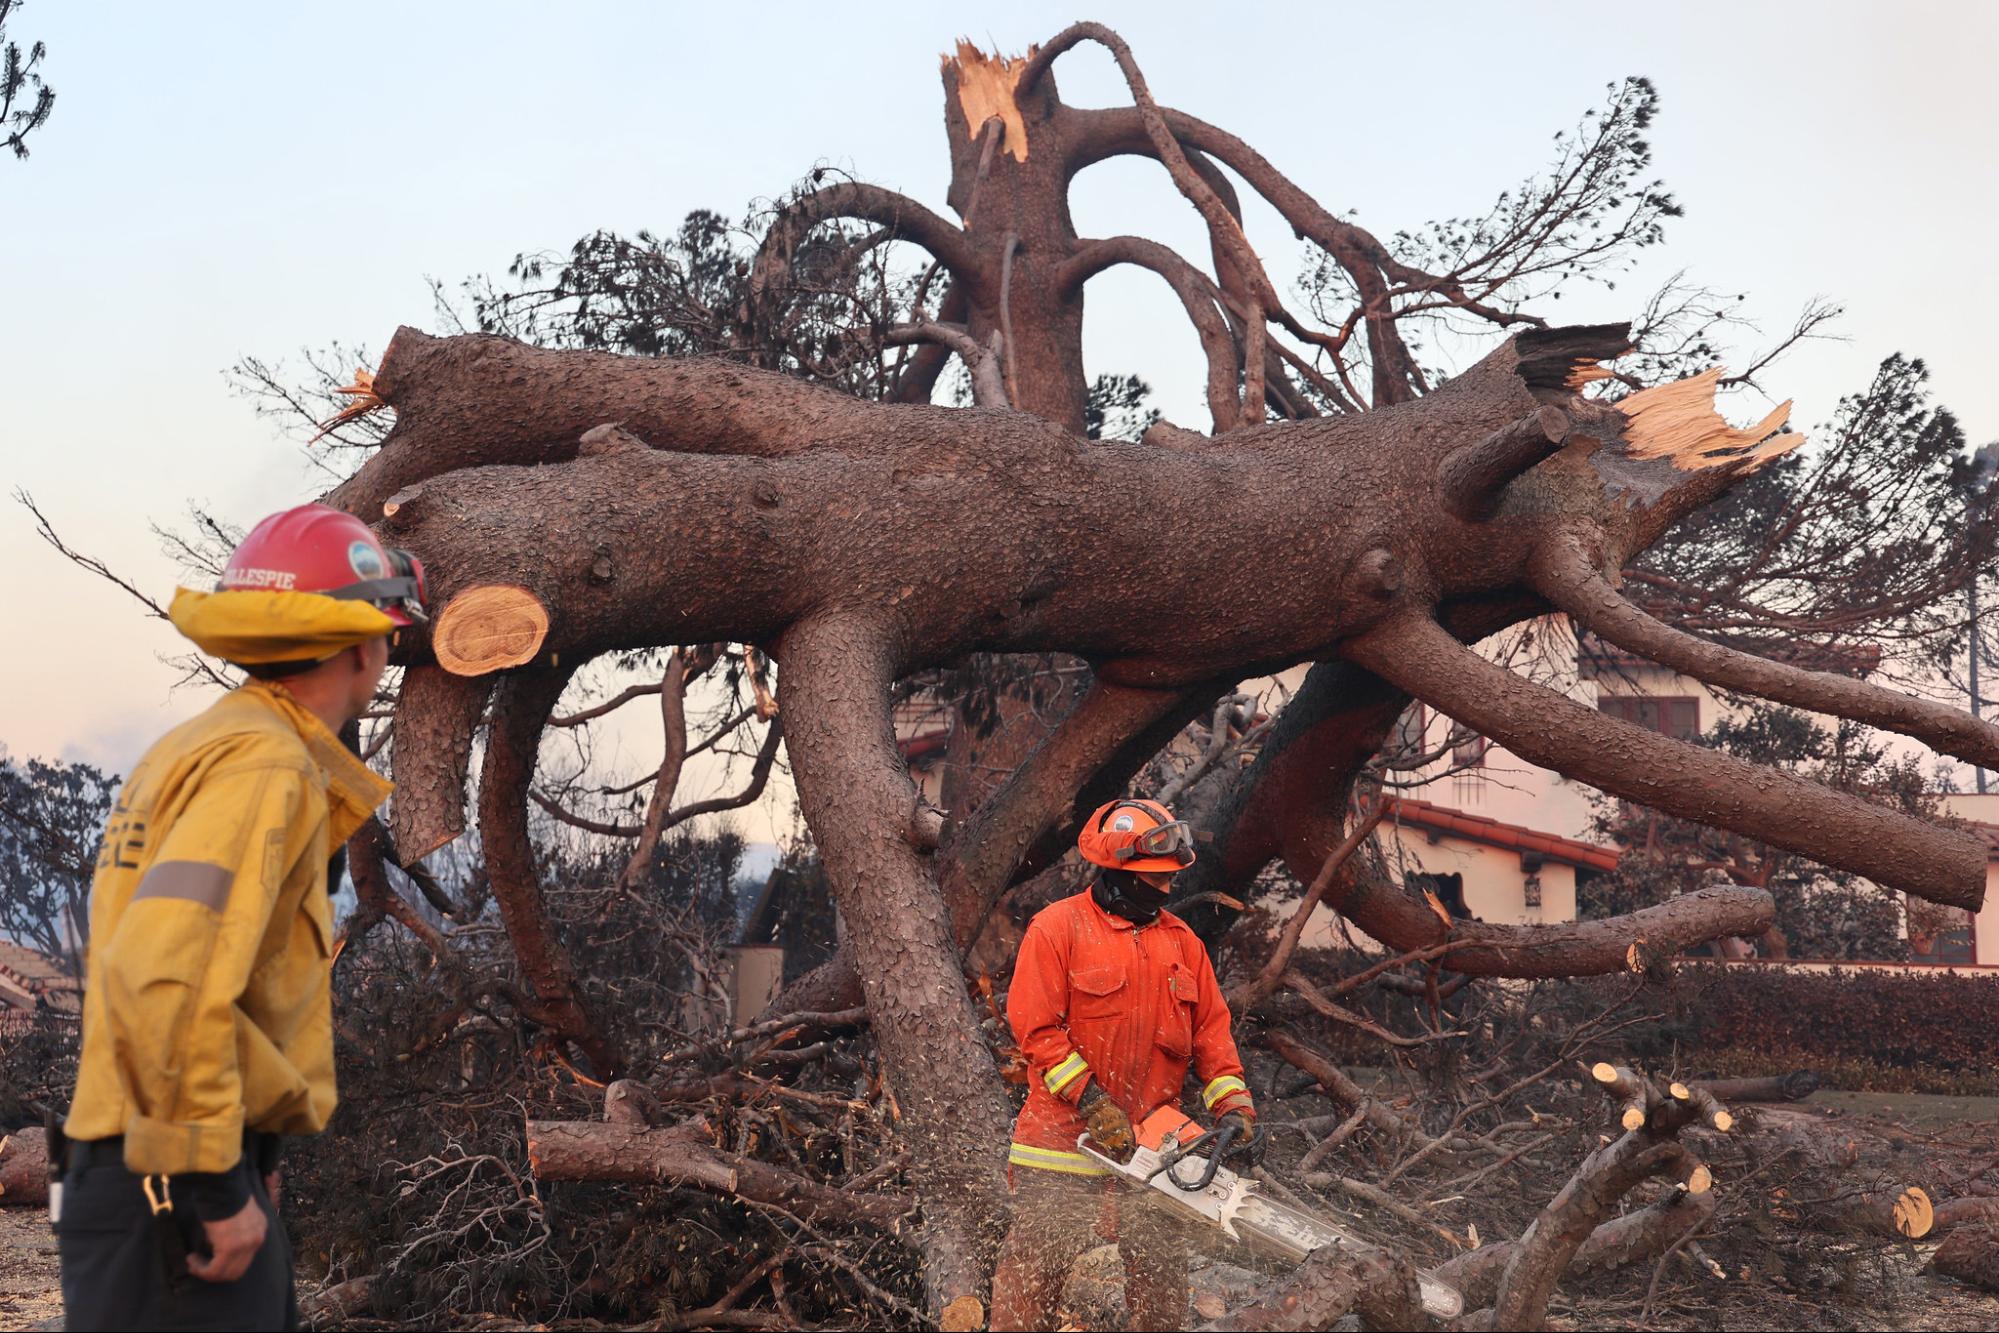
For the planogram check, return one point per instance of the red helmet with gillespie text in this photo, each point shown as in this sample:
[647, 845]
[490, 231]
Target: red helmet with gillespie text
[1136, 835]
[315, 548]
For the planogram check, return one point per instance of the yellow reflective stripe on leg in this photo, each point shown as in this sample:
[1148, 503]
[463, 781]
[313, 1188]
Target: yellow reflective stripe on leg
[1062, 1075]
[1221, 1088]
[1052, 1159]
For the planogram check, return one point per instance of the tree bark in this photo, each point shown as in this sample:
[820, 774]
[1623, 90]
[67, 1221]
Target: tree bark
[1791, 1087]
[437, 714]
[834, 682]
[1969, 1212]
[681, 1155]
[521, 707]
[1970, 1256]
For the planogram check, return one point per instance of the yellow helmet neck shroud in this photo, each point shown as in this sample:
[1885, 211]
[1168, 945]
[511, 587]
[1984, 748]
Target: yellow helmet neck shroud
[253, 628]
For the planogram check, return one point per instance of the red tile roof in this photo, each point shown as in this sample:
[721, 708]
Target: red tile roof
[1491, 832]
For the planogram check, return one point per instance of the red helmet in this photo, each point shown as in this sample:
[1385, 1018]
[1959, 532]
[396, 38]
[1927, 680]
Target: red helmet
[1136, 835]
[315, 548]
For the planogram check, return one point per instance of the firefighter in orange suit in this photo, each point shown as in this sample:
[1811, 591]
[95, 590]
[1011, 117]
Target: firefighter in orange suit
[1112, 998]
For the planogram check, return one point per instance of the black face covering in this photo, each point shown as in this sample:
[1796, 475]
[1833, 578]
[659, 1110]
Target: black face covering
[1123, 893]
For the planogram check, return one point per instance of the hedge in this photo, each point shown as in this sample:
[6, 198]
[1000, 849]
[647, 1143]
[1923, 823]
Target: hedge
[1861, 1028]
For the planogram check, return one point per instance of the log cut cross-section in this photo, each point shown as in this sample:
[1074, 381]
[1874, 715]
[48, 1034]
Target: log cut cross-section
[489, 628]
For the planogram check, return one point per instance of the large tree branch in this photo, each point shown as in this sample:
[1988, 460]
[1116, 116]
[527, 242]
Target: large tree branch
[673, 730]
[983, 363]
[1566, 576]
[1645, 1233]
[521, 708]
[1117, 130]
[917, 378]
[1680, 779]
[437, 714]
[1223, 226]
[475, 399]
[1198, 296]
[903, 217]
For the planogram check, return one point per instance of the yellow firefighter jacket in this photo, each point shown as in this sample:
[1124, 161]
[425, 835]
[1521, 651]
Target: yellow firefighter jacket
[207, 1000]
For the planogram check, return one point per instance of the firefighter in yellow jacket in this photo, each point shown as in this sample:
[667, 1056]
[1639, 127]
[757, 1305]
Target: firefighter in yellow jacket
[207, 1023]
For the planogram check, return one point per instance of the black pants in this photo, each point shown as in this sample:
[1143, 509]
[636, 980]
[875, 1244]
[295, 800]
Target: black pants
[121, 1270]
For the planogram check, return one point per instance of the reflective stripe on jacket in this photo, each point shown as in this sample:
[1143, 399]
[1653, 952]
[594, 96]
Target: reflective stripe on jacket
[207, 1005]
[1096, 998]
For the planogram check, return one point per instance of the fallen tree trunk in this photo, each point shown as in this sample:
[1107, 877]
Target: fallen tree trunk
[1972, 1256]
[1896, 1212]
[24, 1168]
[1379, 1287]
[1969, 1212]
[1792, 1087]
[680, 1155]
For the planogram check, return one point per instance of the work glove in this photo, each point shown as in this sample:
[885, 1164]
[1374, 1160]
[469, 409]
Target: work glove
[1109, 1125]
[1236, 1133]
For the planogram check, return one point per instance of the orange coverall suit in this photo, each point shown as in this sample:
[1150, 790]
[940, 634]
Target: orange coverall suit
[1096, 998]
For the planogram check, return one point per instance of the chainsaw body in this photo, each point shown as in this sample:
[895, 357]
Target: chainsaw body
[1167, 1162]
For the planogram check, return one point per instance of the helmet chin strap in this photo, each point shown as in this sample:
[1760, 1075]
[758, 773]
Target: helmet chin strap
[1122, 893]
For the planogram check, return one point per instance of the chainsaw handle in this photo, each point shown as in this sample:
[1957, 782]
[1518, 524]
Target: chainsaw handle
[1225, 1136]
[1207, 1177]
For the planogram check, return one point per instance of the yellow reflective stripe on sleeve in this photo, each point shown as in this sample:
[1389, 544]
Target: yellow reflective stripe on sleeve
[1050, 1159]
[1062, 1075]
[1221, 1088]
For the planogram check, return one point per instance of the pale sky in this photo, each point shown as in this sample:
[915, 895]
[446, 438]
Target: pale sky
[232, 178]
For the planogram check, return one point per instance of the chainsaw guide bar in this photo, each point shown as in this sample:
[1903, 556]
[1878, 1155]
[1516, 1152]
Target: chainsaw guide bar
[1244, 1213]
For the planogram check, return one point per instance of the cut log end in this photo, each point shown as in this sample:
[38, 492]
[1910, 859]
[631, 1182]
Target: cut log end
[962, 1315]
[1700, 1180]
[1913, 1214]
[489, 628]
[1604, 1073]
[1633, 1118]
[1723, 1121]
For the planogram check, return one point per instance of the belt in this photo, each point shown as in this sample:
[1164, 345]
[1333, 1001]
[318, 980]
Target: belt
[259, 1148]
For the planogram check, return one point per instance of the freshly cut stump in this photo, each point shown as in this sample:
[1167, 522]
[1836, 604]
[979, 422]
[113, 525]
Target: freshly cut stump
[489, 628]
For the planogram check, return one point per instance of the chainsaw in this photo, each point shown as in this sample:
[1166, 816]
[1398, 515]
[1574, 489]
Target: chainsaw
[1211, 1193]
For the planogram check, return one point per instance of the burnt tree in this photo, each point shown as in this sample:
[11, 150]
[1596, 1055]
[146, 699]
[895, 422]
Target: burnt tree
[576, 503]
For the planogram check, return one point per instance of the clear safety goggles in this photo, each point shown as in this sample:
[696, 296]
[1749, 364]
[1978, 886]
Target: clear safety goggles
[1174, 841]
